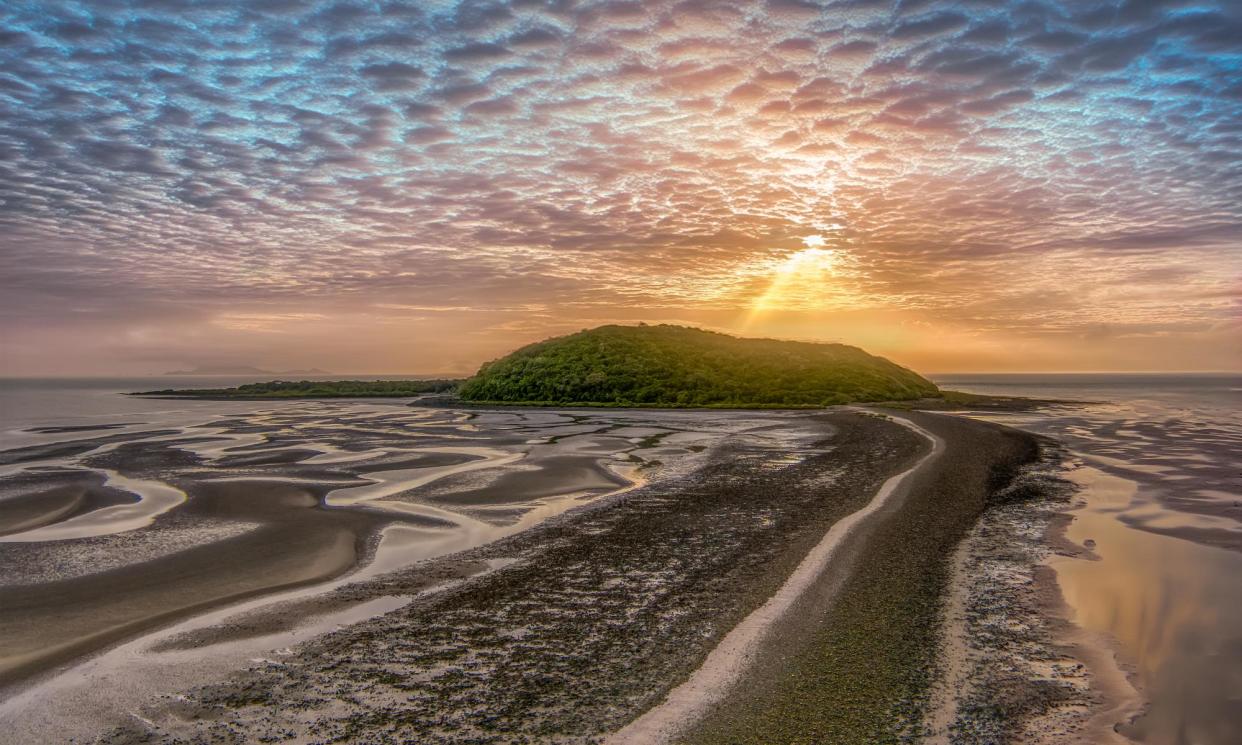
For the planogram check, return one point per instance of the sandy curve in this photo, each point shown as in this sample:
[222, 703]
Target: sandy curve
[155, 498]
[387, 483]
[725, 664]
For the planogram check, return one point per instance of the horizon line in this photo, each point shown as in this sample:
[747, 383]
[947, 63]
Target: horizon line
[99, 376]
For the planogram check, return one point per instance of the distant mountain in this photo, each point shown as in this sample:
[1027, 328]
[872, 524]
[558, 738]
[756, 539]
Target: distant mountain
[681, 366]
[243, 370]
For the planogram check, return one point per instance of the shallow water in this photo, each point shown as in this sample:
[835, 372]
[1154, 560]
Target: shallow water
[1157, 460]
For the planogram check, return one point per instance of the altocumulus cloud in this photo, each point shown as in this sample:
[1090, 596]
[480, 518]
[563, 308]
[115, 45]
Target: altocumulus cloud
[990, 167]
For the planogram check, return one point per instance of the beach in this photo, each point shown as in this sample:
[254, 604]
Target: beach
[335, 571]
[593, 559]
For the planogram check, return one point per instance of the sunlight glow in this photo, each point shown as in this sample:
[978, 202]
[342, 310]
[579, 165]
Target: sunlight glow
[807, 280]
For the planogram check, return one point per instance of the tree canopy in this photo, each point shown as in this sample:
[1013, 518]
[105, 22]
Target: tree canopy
[670, 365]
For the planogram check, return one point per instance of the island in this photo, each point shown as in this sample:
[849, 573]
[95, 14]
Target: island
[661, 366]
[680, 366]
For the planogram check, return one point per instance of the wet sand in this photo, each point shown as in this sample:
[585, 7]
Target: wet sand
[293, 543]
[49, 496]
[371, 573]
[1122, 605]
[1007, 669]
[590, 618]
[1165, 610]
[56, 450]
[240, 512]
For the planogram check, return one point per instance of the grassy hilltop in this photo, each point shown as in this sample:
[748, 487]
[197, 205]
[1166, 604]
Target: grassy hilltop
[681, 366]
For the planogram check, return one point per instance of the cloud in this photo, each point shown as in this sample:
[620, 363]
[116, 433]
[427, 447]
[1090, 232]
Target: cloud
[393, 76]
[286, 159]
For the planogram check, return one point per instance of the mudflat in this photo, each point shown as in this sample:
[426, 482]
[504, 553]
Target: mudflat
[307, 495]
[507, 576]
[291, 543]
[598, 614]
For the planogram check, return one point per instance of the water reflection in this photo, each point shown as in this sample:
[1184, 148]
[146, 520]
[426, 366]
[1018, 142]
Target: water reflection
[1173, 606]
[1159, 471]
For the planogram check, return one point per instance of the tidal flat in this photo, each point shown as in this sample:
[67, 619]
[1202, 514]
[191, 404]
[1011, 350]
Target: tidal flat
[369, 571]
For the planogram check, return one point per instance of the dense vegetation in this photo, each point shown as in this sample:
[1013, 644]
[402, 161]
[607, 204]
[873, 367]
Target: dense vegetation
[317, 389]
[679, 366]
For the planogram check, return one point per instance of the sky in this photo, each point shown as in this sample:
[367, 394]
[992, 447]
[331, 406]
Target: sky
[419, 187]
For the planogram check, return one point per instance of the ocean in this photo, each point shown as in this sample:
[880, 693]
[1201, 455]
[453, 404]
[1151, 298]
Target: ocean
[27, 403]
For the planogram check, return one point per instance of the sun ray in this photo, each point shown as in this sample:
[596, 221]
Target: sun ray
[806, 280]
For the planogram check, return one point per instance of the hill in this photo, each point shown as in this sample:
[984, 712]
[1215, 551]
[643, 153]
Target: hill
[681, 366]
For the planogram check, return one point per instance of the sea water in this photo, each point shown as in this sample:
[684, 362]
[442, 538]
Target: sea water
[1158, 459]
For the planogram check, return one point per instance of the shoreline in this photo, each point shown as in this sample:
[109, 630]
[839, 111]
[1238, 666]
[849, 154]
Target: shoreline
[948, 401]
[1015, 667]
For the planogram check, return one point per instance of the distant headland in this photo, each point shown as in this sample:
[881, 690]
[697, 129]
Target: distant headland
[314, 389]
[210, 370]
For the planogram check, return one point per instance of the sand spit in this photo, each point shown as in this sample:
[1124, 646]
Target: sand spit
[852, 662]
[726, 664]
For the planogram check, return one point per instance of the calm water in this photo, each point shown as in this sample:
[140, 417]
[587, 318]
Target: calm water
[1159, 460]
[70, 402]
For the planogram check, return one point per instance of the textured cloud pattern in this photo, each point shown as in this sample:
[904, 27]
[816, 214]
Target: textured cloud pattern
[262, 175]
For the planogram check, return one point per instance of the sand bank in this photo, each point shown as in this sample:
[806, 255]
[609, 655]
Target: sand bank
[852, 661]
[725, 665]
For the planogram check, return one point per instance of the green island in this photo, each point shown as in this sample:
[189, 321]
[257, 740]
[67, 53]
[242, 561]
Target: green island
[662, 366]
[678, 366]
